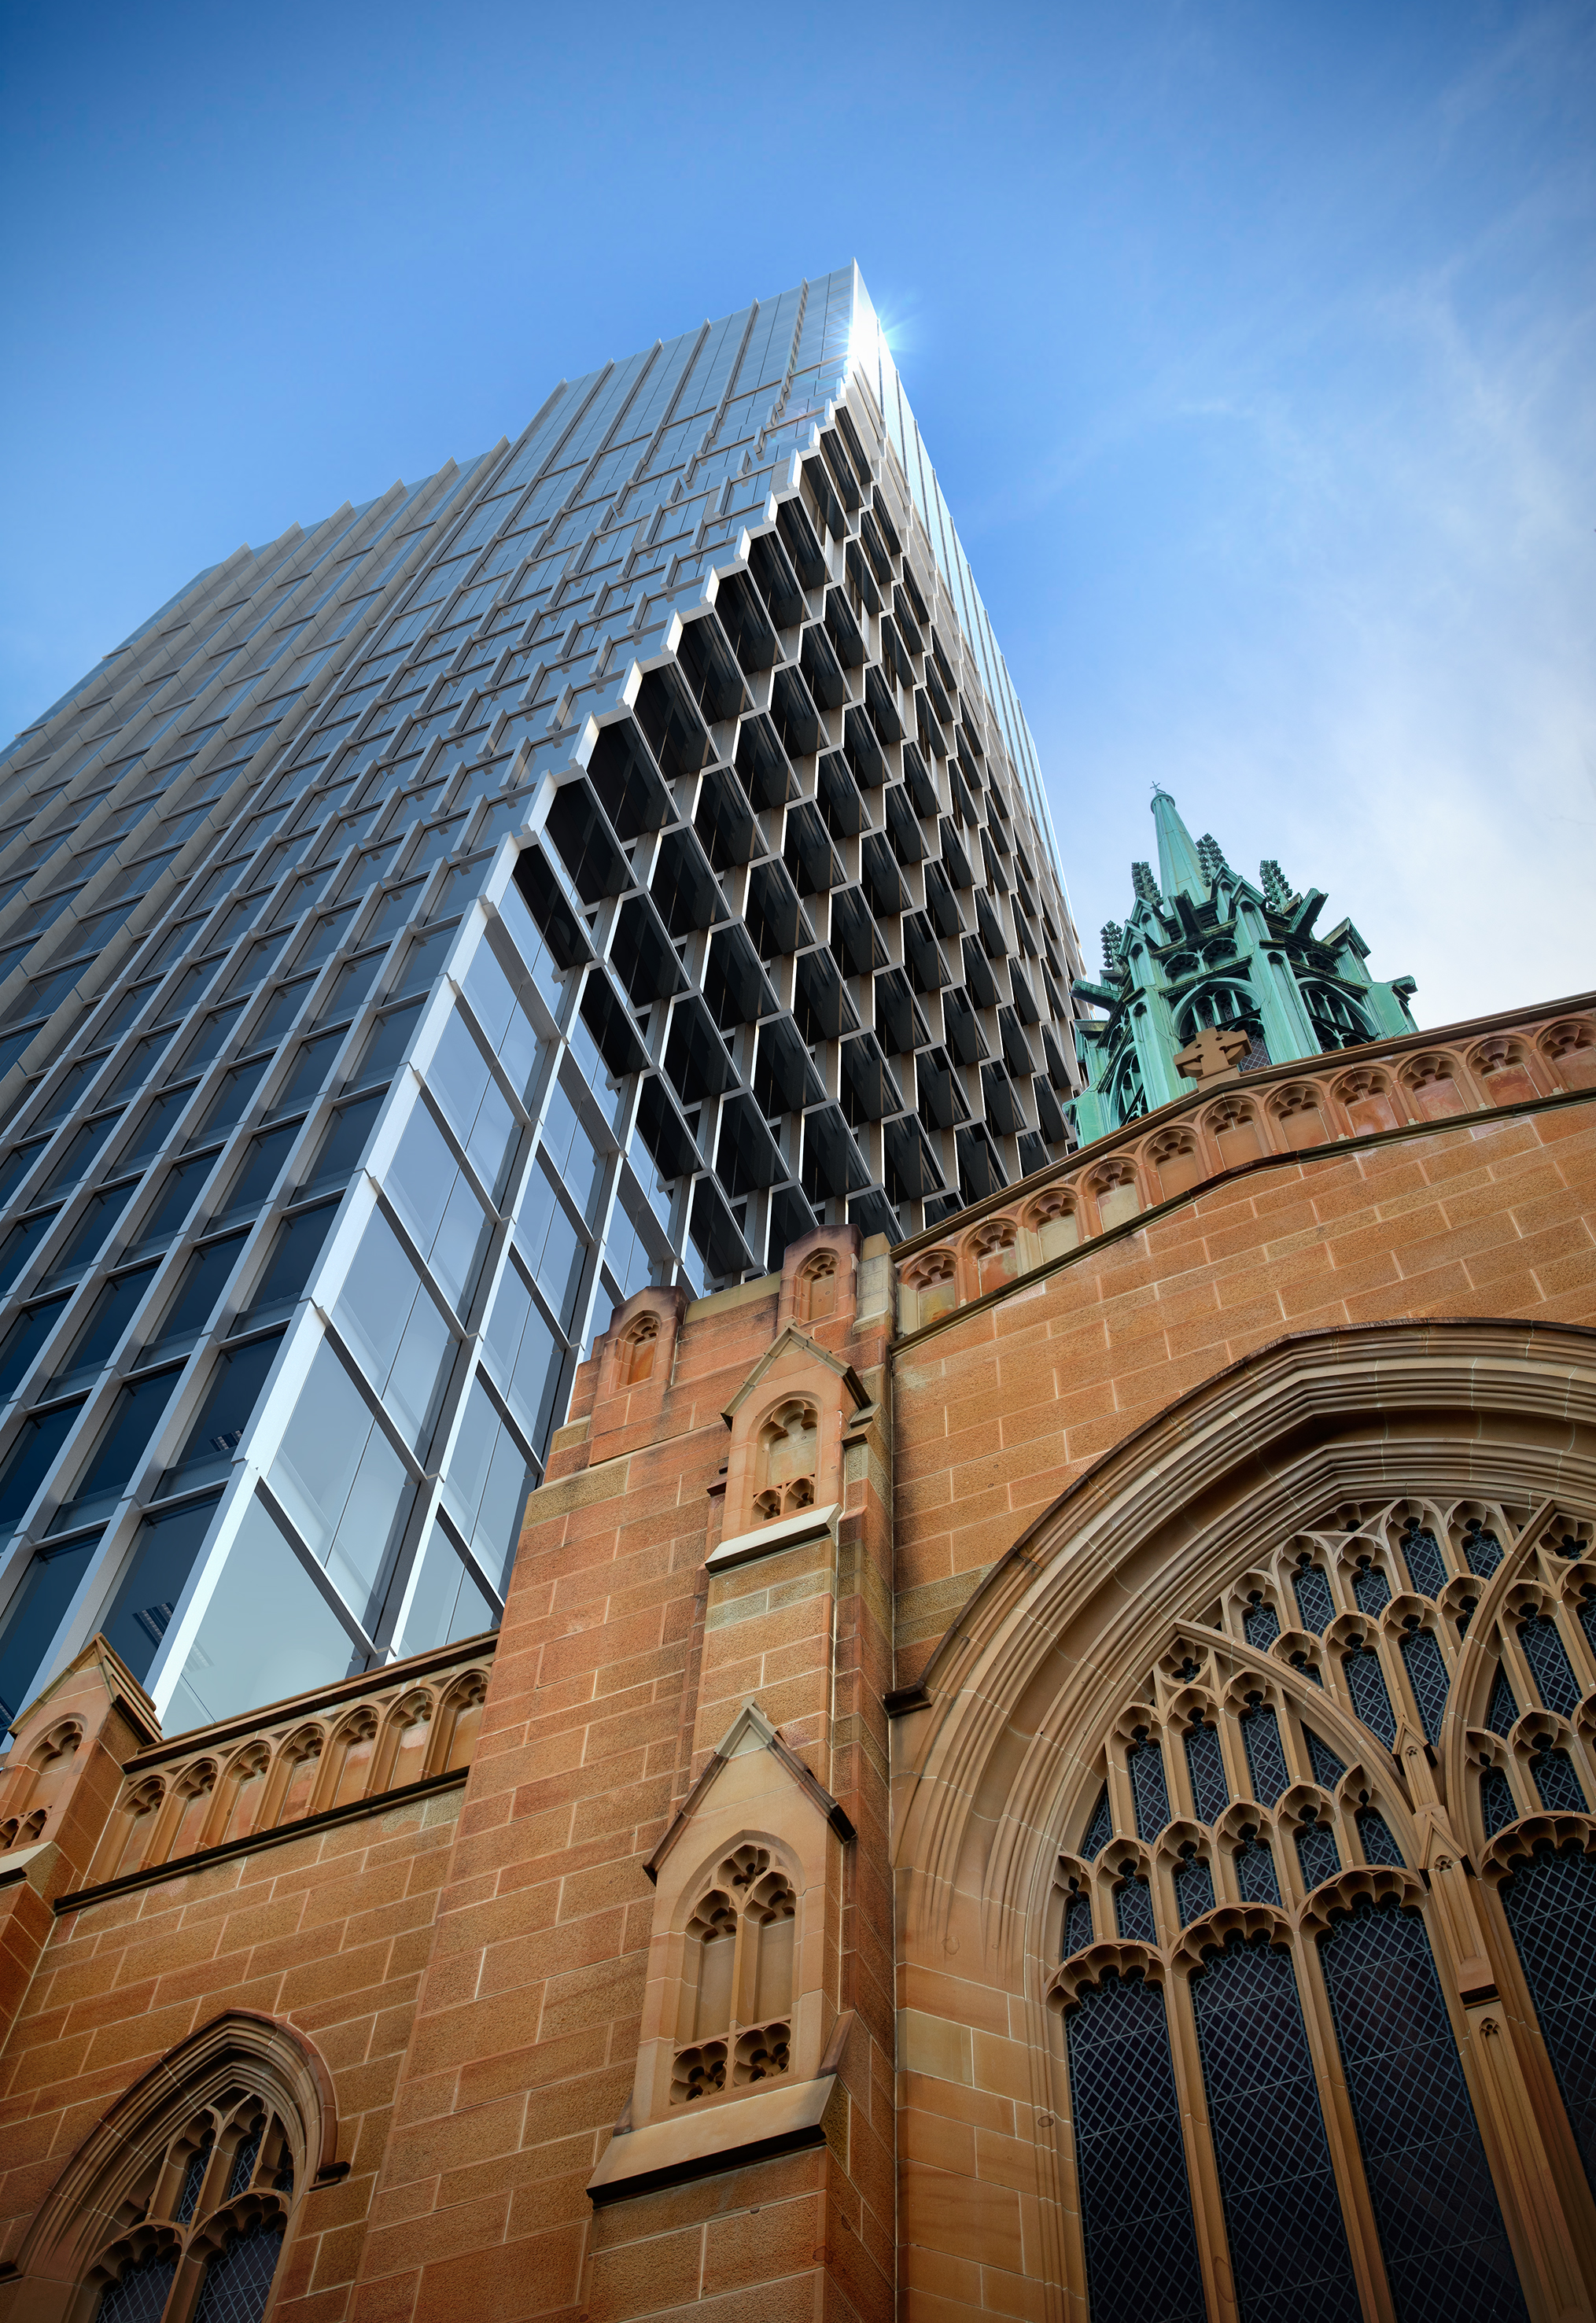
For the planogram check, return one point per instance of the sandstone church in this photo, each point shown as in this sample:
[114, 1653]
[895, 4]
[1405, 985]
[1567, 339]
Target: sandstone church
[1044, 1773]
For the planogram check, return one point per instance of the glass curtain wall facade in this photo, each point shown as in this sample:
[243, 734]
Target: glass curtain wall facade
[593, 866]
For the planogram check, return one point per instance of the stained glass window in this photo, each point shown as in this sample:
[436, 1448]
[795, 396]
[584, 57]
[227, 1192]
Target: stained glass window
[1260, 1624]
[1561, 1790]
[1425, 1561]
[1204, 1763]
[1549, 1664]
[193, 2179]
[1255, 1873]
[1496, 1804]
[1100, 1830]
[1365, 1683]
[1426, 1674]
[1314, 1602]
[1077, 1924]
[1287, 2244]
[1371, 1589]
[1374, 1837]
[1502, 1712]
[1148, 1789]
[1132, 1912]
[238, 2283]
[1445, 2249]
[1481, 1548]
[1266, 1758]
[1316, 1852]
[140, 2295]
[1135, 2202]
[1551, 1908]
[1327, 1767]
[1194, 1891]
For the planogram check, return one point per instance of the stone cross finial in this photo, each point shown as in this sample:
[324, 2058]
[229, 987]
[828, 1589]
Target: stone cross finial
[1212, 1057]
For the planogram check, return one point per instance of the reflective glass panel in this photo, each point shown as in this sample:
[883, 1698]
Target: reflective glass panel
[394, 1327]
[447, 1602]
[341, 1480]
[267, 1631]
[34, 1617]
[164, 1556]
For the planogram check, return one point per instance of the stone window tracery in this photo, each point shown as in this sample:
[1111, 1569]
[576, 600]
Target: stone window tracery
[638, 1350]
[817, 1288]
[1283, 1886]
[736, 2024]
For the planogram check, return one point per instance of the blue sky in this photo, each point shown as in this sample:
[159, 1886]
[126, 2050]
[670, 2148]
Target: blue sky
[1253, 344]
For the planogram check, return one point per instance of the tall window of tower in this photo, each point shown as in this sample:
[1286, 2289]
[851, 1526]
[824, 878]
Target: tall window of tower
[735, 2021]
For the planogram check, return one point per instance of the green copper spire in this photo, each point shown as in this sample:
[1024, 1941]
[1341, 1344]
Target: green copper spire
[1205, 952]
[1179, 871]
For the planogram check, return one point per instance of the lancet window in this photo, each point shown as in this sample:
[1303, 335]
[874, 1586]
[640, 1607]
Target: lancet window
[1398, 1687]
[788, 1460]
[735, 2028]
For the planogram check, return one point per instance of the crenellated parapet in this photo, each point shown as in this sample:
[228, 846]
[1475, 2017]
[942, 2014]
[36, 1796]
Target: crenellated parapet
[1243, 1122]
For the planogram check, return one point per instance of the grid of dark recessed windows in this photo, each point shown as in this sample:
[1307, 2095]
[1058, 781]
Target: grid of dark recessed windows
[1077, 1924]
[1425, 1563]
[1255, 1873]
[1374, 1837]
[1502, 1712]
[1194, 1890]
[1316, 1852]
[1441, 2233]
[1136, 2217]
[1561, 1790]
[1132, 1912]
[1371, 1588]
[1314, 1602]
[1100, 1830]
[1327, 1767]
[1147, 1788]
[1261, 1625]
[1481, 1550]
[1551, 1908]
[1365, 1682]
[1288, 2253]
[1496, 1804]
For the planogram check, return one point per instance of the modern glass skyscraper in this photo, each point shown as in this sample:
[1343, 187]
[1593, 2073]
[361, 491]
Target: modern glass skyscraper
[594, 865]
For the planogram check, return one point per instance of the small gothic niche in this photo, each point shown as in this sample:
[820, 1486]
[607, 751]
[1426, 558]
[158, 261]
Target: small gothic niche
[638, 1349]
[787, 1461]
[819, 1276]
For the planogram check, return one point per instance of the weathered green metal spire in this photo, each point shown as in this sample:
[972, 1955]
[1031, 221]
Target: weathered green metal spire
[1179, 870]
[1204, 950]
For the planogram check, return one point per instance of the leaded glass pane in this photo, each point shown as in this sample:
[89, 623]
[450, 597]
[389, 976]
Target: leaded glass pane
[1261, 1625]
[1132, 1912]
[140, 2295]
[1148, 1788]
[243, 2162]
[1327, 1767]
[1558, 1784]
[1426, 1674]
[1549, 1664]
[1502, 1713]
[1266, 1757]
[1371, 1590]
[193, 2179]
[1317, 1854]
[1077, 1926]
[1194, 1892]
[1441, 2233]
[1588, 1616]
[1374, 1837]
[1365, 1682]
[1100, 1830]
[1425, 1561]
[1551, 1908]
[1135, 2204]
[1496, 1804]
[1314, 1600]
[1255, 1874]
[238, 2284]
[1204, 1763]
[1482, 1550]
[1287, 2244]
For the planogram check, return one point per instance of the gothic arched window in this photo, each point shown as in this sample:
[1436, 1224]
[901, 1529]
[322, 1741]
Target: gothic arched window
[735, 2027]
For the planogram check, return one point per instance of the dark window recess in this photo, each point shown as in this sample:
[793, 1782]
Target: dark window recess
[133, 1418]
[93, 1230]
[21, 1244]
[231, 1102]
[281, 1013]
[694, 1058]
[344, 1143]
[1502, 1710]
[75, 1162]
[25, 1466]
[579, 831]
[557, 923]
[204, 1278]
[1316, 1852]
[1077, 1926]
[328, 935]
[671, 724]
[207, 1041]
[645, 957]
[1327, 1767]
[1140, 2243]
[623, 773]
[1288, 2243]
[761, 760]
[164, 1556]
[1551, 1908]
[109, 1318]
[724, 821]
[179, 1193]
[389, 1038]
[424, 962]
[746, 1157]
[156, 1126]
[16, 1164]
[1148, 1789]
[686, 891]
[230, 1402]
[1376, 1839]
[664, 1132]
[714, 1235]
[1482, 1549]
[1441, 2233]
[1314, 1602]
[1266, 1756]
[1260, 1625]
[613, 1031]
[1255, 1873]
[1371, 1589]
[259, 1174]
[294, 1252]
[311, 1070]
[26, 1336]
[35, 1614]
